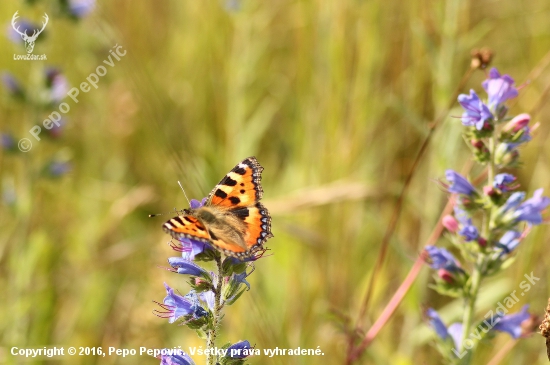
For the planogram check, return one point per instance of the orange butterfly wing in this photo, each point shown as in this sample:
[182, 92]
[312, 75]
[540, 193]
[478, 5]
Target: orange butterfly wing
[186, 226]
[240, 187]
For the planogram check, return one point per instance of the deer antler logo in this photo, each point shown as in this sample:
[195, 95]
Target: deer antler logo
[29, 40]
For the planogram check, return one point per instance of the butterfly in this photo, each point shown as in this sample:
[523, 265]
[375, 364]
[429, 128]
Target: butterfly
[232, 220]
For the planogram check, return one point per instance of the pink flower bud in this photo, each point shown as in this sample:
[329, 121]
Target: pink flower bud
[445, 275]
[489, 190]
[450, 223]
[517, 123]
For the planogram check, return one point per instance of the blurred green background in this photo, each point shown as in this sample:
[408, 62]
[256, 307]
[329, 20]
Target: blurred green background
[334, 98]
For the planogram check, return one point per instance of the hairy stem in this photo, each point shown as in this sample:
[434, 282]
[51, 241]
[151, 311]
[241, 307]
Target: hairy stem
[216, 313]
[479, 268]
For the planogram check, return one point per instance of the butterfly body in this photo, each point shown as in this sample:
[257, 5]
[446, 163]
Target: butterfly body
[232, 220]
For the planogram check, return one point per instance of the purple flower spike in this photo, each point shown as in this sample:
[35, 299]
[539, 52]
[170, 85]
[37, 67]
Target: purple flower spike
[440, 258]
[511, 323]
[531, 210]
[476, 112]
[239, 350]
[459, 184]
[499, 88]
[186, 267]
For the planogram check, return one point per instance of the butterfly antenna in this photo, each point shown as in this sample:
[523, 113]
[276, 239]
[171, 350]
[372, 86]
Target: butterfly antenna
[184, 193]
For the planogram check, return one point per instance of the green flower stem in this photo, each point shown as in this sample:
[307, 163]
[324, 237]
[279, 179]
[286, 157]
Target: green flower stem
[481, 262]
[475, 281]
[216, 313]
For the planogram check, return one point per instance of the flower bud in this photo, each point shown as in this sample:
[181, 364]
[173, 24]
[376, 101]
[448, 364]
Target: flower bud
[517, 123]
[450, 223]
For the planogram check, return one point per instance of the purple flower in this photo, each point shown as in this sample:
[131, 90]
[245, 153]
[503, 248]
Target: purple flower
[509, 241]
[454, 331]
[81, 8]
[504, 182]
[499, 88]
[209, 298]
[468, 230]
[511, 323]
[513, 201]
[476, 111]
[57, 84]
[531, 210]
[11, 84]
[59, 168]
[7, 142]
[190, 248]
[459, 184]
[239, 350]
[187, 267]
[24, 26]
[175, 306]
[195, 204]
[178, 358]
[440, 258]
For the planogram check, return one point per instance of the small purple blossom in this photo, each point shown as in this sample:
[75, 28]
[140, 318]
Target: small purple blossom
[499, 88]
[440, 258]
[11, 84]
[531, 210]
[511, 323]
[476, 112]
[175, 306]
[454, 331]
[208, 297]
[25, 26]
[7, 142]
[509, 241]
[504, 182]
[81, 8]
[190, 248]
[57, 84]
[187, 267]
[178, 358]
[195, 204]
[239, 350]
[513, 201]
[468, 230]
[459, 184]
[59, 168]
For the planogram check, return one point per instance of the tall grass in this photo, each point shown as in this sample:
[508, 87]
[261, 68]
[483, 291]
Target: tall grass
[334, 99]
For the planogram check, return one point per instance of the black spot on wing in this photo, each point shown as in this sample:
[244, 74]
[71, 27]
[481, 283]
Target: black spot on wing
[242, 191]
[234, 200]
[241, 213]
[240, 171]
[228, 181]
[187, 219]
[220, 194]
